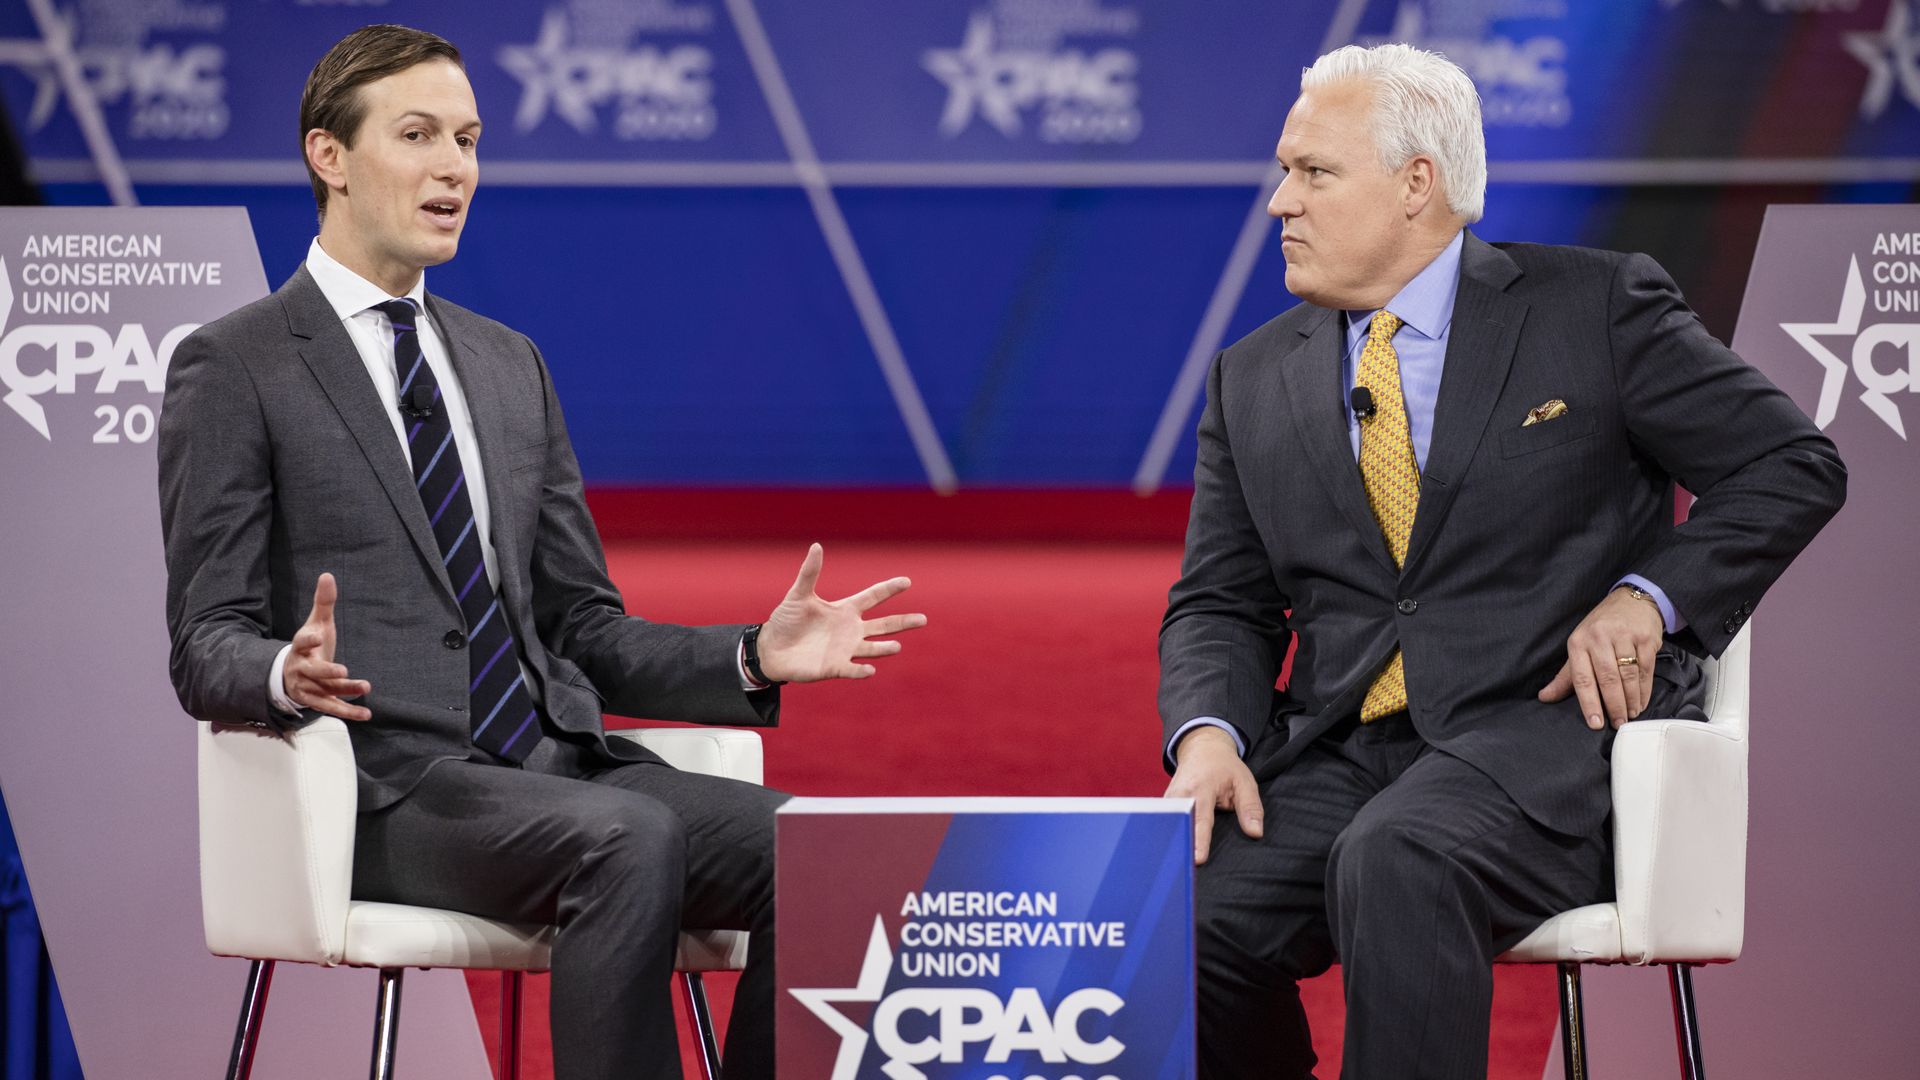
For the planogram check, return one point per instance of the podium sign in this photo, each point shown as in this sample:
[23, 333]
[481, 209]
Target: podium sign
[986, 939]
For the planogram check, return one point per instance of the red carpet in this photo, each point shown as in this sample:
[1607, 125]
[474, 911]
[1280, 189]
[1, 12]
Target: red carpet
[1035, 676]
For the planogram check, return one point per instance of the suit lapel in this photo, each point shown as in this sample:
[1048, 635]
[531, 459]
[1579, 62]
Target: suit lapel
[480, 384]
[330, 354]
[1313, 377]
[1480, 347]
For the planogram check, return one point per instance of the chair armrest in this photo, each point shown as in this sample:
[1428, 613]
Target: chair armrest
[1680, 840]
[726, 752]
[276, 840]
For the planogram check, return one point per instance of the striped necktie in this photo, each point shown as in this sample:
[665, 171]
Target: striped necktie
[1391, 474]
[504, 720]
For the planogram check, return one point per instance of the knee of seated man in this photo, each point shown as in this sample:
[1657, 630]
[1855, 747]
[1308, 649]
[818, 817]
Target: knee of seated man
[635, 835]
[1375, 852]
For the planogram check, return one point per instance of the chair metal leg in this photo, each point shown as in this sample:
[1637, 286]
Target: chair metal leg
[386, 1023]
[701, 1021]
[253, 1006]
[510, 1024]
[1573, 1023]
[1686, 1022]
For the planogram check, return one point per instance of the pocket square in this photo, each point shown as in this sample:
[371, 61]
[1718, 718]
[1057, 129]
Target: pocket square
[1551, 410]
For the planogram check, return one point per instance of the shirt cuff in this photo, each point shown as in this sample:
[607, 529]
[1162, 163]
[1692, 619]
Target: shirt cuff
[1239, 744]
[277, 683]
[1668, 614]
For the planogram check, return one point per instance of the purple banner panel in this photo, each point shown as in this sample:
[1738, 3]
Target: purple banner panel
[1832, 315]
[96, 758]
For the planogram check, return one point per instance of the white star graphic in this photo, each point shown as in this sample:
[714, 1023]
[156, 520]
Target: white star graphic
[30, 55]
[1853, 301]
[1891, 52]
[872, 982]
[976, 78]
[547, 71]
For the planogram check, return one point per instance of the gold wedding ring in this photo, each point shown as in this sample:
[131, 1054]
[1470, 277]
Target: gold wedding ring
[1629, 661]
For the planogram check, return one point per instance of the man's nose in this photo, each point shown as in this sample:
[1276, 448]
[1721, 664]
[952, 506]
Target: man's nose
[452, 163]
[1283, 204]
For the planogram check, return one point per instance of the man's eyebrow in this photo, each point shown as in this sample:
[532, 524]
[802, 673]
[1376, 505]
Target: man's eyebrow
[417, 114]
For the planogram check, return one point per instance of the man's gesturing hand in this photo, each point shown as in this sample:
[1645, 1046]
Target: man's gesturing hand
[310, 676]
[1610, 659]
[807, 639]
[1211, 773]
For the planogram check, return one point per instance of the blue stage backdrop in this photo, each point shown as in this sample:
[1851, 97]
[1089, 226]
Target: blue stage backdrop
[974, 243]
[35, 1042]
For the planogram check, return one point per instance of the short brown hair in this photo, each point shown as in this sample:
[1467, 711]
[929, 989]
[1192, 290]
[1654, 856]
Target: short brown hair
[332, 101]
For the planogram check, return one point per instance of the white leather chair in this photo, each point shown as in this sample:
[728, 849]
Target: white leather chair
[1679, 861]
[276, 882]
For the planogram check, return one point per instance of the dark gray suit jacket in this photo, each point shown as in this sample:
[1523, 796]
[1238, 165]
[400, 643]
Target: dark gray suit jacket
[278, 463]
[1520, 530]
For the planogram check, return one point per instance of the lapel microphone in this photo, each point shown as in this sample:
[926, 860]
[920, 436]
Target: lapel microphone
[1361, 400]
[418, 403]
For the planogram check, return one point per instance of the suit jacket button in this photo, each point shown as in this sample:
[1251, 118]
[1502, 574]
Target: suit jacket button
[1731, 625]
[454, 640]
[1408, 606]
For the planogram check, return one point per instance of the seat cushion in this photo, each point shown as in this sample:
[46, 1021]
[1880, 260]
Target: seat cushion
[1586, 935]
[712, 950]
[400, 935]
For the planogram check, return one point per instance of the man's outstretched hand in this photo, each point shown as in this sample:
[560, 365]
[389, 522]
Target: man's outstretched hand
[807, 639]
[310, 677]
[1210, 772]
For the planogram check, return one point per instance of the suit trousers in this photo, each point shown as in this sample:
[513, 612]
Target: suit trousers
[1409, 866]
[620, 857]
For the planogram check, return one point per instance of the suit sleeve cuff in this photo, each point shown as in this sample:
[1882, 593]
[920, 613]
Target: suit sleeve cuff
[1668, 613]
[1239, 743]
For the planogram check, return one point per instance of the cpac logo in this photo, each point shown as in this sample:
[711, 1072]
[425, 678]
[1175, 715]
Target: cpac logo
[1083, 98]
[1891, 54]
[956, 1021]
[661, 93]
[65, 353]
[1522, 83]
[172, 94]
[1878, 383]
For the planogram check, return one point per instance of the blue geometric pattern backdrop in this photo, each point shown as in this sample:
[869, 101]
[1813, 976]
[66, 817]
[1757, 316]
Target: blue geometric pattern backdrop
[985, 243]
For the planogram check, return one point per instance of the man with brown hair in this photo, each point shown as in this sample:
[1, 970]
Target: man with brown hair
[404, 463]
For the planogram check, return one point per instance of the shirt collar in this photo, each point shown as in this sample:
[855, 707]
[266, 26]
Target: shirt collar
[1424, 304]
[348, 293]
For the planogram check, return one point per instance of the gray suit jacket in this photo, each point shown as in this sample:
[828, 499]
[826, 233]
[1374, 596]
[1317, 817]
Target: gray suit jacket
[1520, 530]
[277, 463]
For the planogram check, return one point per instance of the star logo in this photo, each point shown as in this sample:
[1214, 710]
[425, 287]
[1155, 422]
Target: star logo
[18, 398]
[1853, 301]
[35, 61]
[551, 77]
[977, 78]
[867, 988]
[1891, 54]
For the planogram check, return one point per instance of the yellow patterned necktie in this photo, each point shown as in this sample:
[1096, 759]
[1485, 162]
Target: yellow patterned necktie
[1391, 474]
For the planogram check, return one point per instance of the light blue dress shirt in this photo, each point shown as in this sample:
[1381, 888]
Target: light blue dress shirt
[1425, 308]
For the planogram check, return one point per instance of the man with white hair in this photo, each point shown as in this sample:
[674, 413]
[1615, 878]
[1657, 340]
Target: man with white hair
[1448, 476]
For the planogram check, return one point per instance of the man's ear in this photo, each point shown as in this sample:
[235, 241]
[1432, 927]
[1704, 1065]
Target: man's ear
[1420, 186]
[327, 158]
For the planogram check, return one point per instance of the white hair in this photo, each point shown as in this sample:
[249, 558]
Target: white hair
[1423, 105]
